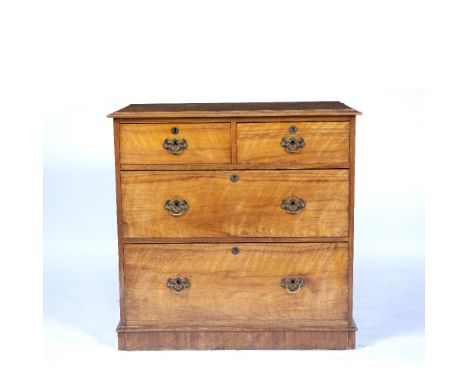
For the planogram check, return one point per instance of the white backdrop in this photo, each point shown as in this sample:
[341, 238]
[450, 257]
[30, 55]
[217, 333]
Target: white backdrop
[67, 64]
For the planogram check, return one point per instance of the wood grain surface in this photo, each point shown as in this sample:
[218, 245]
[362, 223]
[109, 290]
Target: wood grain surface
[236, 119]
[167, 110]
[143, 143]
[235, 301]
[235, 340]
[243, 288]
[352, 154]
[233, 167]
[118, 197]
[326, 143]
[250, 207]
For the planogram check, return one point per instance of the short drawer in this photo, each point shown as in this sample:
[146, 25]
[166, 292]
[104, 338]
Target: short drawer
[204, 204]
[321, 144]
[273, 285]
[178, 143]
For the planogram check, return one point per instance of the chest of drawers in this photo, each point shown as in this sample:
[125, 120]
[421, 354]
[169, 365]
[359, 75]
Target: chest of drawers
[235, 225]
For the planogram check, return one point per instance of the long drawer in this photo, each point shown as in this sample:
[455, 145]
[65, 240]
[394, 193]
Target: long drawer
[273, 285]
[223, 204]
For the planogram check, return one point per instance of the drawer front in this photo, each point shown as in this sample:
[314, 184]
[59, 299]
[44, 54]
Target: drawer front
[317, 143]
[184, 204]
[157, 143]
[216, 287]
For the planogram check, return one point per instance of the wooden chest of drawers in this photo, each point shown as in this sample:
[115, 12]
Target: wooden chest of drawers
[235, 225]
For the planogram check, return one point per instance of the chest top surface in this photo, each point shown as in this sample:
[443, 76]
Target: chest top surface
[325, 108]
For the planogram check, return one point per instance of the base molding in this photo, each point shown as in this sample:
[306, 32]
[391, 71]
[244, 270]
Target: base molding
[141, 338]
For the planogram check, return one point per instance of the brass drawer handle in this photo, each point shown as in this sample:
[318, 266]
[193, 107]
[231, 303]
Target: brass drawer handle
[175, 146]
[176, 207]
[178, 284]
[292, 284]
[292, 145]
[293, 205]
